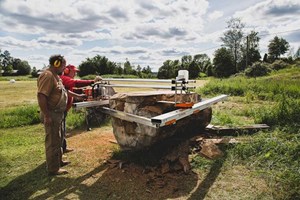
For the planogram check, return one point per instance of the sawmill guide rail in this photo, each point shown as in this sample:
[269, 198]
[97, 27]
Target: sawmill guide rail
[179, 84]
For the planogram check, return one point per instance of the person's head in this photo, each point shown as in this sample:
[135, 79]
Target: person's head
[70, 71]
[57, 62]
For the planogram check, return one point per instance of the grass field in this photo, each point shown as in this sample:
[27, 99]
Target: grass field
[267, 167]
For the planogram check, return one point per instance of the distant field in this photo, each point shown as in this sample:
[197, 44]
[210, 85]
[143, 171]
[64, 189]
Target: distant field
[24, 92]
[18, 93]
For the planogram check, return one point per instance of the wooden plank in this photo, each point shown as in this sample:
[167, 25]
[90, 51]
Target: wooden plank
[225, 130]
[254, 126]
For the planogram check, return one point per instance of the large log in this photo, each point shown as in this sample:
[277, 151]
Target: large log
[135, 136]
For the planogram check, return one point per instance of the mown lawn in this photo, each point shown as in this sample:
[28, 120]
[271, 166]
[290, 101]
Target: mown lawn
[267, 166]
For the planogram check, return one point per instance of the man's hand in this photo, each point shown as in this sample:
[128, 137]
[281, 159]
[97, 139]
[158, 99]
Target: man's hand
[81, 97]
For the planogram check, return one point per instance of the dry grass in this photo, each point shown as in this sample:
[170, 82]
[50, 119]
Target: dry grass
[18, 93]
[24, 92]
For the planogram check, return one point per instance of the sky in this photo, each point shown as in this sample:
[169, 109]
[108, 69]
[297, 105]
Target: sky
[144, 32]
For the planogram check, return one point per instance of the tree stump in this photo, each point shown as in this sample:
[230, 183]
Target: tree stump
[135, 136]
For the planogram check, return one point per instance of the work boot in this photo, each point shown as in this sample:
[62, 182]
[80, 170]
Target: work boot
[64, 163]
[59, 172]
[67, 150]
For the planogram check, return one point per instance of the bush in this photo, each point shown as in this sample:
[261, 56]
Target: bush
[91, 77]
[20, 116]
[257, 69]
[285, 113]
[278, 64]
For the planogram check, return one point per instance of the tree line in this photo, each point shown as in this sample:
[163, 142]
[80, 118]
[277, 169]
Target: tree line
[10, 65]
[239, 52]
[100, 65]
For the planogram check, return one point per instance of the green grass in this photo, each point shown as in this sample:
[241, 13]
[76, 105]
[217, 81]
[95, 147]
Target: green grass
[19, 116]
[263, 88]
[274, 100]
[17, 78]
[21, 149]
[275, 157]
[28, 115]
[272, 156]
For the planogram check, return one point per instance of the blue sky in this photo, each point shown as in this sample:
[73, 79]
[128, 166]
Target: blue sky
[144, 32]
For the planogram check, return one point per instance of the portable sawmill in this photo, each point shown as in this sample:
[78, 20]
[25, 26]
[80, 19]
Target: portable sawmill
[140, 119]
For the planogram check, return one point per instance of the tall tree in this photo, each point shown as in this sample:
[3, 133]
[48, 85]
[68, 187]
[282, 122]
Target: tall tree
[297, 54]
[6, 62]
[203, 62]
[277, 47]
[223, 63]
[233, 37]
[250, 51]
[168, 70]
[194, 70]
[127, 67]
[23, 68]
[186, 61]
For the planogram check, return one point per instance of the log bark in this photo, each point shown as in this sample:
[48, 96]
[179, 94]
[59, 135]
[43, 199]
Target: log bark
[135, 136]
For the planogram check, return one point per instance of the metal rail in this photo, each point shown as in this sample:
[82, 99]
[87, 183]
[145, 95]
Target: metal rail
[148, 80]
[128, 117]
[148, 86]
[88, 104]
[173, 116]
[158, 121]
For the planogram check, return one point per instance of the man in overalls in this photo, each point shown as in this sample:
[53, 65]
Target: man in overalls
[52, 100]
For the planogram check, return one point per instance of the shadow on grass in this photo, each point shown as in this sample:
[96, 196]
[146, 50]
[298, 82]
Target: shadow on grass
[210, 178]
[38, 181]
[103, 182]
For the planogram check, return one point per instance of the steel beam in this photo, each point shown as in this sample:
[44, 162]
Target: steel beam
[173, 116]
[128, 117]
[87, 104]
[147, 80]
[148, 86]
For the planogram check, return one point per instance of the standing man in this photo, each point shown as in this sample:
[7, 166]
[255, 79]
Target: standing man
[52, 100]
[69, 82]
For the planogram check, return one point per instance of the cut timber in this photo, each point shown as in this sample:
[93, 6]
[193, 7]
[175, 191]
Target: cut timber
[237, 129]
[132, 135]
[218, 140]
[210, 150]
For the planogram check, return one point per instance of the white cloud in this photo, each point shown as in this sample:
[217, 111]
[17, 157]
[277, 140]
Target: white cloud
[215, 15]
[9, 42]
[142, 31]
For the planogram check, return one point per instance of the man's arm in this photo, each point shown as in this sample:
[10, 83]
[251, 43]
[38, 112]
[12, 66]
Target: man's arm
[42, 100]
[81, 97]
[70, 82]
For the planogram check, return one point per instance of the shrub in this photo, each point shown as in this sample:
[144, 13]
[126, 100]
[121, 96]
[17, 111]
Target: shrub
[278, 64]
[91, 77]
[257, 69]
[285, 113]
[20, 116]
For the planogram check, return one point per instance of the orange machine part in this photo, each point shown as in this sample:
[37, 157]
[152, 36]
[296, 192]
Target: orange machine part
[184, 105]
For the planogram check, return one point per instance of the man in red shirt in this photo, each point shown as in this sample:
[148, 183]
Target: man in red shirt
[69, 82]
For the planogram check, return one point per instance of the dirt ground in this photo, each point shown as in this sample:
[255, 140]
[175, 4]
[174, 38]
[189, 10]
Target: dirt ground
[124, 178]
[99, 170]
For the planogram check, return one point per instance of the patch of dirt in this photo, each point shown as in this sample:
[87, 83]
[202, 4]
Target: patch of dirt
[101, 171]
[168, 177]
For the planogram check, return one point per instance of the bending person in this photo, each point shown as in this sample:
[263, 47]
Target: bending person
[69, 82]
